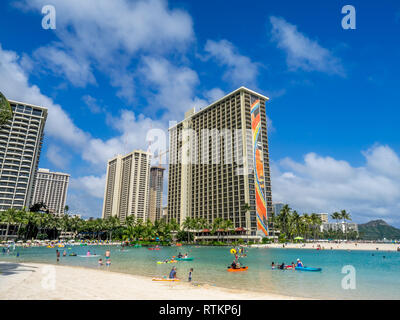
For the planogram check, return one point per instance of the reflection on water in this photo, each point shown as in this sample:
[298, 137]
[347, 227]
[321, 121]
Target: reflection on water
[376, 272]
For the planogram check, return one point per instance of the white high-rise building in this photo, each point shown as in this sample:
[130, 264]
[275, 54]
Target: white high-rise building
[127, 186]
[20, 146]
[51, 189]
[156, 192]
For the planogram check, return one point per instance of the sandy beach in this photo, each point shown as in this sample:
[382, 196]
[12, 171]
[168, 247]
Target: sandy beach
[334, 246]
[53, 282]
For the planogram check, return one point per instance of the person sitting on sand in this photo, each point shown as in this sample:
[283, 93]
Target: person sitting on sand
[172, 274]
[299, 263]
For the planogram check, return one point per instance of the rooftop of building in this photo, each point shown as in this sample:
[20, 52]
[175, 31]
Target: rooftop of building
[28, 104]
[193, 112]
[44, 170]
[130, 153]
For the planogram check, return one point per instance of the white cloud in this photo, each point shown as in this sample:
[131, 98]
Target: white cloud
[107, 35]
[240, 69]
[15, 85]
[92, 185]
[76, 70]
[58, 156]
[302, 52]
[324, 184]
[214, 94]
[174, 86]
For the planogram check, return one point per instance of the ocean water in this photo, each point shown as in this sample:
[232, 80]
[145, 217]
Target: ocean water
[376, 272]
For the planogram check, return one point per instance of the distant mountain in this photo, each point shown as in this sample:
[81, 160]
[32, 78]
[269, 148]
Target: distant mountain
[377, 230]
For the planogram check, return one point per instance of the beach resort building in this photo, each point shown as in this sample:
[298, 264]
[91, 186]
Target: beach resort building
[324, 217]
[277, 207]
[343, 226]
[20, 146]
[219, 164]
[127, 186]
[51, 189]
[156, 192]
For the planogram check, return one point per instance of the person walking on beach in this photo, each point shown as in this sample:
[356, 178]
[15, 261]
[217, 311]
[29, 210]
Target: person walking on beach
[190, 274]
[58, 255]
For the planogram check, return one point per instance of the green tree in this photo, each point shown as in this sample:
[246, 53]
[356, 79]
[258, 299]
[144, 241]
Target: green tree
[6, 113]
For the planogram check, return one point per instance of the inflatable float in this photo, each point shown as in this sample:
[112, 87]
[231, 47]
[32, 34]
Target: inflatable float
[184, 259]
[237, 270]
[171, 261]
[164, 279]
[153, 248]
[91, 256]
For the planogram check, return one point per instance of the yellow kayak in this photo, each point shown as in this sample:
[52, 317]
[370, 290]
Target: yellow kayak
[164, 279]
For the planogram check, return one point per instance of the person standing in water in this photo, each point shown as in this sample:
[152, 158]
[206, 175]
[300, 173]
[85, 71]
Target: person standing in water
[58, 255]
[172, 274]
[190, 275]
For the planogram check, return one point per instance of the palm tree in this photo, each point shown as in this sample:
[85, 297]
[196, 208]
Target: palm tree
[283, 218]
[111, 224]
[246, 208]
[294, 226]
[336, 216]
[316, 222]
[217, 225]
[129, 233]
[228, 224]
[345, 216]
[8, 217]
[187, 225]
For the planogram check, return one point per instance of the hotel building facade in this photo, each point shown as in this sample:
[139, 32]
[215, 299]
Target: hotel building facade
[20, 146]
[127, 186]
[156, 192]
[51, 188]
[219, 162]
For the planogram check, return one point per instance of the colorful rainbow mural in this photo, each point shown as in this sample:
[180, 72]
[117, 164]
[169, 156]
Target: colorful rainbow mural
[262, 225]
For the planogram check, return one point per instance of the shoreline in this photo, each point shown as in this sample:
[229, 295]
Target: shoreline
[350, 246]
[36, 281]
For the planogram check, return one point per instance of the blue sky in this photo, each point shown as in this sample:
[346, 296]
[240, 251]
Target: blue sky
[111, 70]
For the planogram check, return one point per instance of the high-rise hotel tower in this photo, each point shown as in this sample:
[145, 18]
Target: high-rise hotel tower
[127, 186]
[20, 146]
[51, 188]
[219, 164]
[156, 192]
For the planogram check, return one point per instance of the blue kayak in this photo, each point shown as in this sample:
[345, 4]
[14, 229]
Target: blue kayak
[308, 269]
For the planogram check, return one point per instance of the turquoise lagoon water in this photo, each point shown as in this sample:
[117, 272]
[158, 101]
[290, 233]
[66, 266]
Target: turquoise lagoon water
[376, 277]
